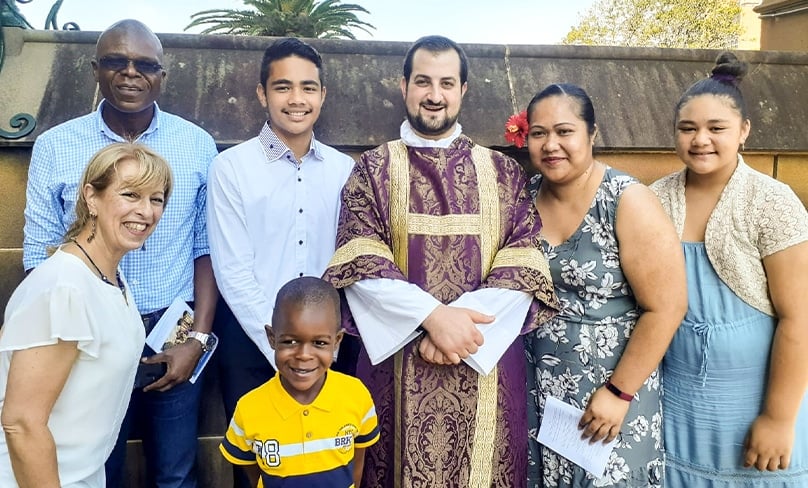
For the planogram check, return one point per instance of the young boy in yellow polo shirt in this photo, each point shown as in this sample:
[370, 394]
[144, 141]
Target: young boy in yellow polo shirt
[308, 426]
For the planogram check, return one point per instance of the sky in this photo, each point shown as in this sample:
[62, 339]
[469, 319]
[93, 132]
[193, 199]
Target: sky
[464, 21]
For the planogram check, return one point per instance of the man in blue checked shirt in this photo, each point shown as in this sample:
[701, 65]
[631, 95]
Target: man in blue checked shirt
[175, 260]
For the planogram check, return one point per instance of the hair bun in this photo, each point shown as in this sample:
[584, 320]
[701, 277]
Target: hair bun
[729, 68]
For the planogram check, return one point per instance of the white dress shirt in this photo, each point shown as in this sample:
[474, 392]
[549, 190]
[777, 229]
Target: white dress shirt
[271, 219]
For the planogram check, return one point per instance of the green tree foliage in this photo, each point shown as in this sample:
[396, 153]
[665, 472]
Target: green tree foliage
[708, 24]
[328, 19]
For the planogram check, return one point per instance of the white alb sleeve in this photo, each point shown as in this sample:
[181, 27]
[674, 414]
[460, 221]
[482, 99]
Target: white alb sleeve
[510, 308]
[388, 314]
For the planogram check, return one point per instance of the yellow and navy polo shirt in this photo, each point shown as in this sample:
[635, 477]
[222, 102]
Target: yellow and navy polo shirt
[302, 446]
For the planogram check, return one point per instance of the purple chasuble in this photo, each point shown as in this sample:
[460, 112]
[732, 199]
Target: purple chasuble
[450, 221]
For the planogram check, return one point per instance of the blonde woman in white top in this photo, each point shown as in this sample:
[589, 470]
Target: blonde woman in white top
[72, 335]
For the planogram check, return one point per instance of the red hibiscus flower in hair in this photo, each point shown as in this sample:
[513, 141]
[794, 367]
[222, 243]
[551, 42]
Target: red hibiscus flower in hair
[516, 129]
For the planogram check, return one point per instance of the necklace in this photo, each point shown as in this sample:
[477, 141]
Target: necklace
[102, 275]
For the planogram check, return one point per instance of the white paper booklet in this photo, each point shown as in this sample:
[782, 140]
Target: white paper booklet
[559, 432]
[172, 329]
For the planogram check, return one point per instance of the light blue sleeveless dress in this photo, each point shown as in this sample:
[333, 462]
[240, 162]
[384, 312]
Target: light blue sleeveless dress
[714, 377]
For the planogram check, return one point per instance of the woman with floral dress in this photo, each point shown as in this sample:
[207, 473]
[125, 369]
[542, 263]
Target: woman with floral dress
[619, 272]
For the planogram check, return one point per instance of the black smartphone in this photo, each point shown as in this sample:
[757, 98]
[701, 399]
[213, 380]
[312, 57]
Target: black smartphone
[149, 373]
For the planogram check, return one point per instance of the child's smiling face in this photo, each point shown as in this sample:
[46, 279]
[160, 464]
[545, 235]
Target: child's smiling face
[305, 340]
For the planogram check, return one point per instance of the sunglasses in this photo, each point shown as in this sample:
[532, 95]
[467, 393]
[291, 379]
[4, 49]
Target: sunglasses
[119, 63]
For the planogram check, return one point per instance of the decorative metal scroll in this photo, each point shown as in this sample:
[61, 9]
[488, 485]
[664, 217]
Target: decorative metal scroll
[24, 123]
[10, 16]
[50, 21]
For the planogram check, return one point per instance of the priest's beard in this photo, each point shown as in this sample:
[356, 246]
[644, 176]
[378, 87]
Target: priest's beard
[430, 127]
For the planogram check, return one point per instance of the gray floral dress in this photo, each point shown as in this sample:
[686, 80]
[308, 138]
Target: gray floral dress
[573, 354]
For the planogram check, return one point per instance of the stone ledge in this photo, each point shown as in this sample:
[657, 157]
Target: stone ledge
[634, 89]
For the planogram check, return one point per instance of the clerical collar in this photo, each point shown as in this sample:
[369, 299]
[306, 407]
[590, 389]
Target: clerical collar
[410, 138]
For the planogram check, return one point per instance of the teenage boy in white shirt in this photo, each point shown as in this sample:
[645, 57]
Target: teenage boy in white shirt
[273, 206]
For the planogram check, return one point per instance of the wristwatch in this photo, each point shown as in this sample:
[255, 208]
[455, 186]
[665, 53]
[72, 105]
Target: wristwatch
[206, 340]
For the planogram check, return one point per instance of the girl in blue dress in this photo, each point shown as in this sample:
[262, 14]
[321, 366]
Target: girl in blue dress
[734, 377]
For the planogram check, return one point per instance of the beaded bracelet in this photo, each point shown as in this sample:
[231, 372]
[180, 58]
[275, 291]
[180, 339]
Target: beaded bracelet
[618, 392]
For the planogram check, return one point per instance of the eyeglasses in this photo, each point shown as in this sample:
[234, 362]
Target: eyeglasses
[119, 63]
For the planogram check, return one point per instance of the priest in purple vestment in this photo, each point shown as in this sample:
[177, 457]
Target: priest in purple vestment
[438, 258]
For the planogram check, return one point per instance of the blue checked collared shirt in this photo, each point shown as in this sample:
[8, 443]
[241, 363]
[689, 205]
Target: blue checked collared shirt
[164, 269]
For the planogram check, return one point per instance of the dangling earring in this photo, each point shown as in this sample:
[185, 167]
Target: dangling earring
[92, 229]
[743, 148]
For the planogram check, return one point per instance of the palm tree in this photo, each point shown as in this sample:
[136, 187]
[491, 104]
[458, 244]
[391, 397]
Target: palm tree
[328, 19]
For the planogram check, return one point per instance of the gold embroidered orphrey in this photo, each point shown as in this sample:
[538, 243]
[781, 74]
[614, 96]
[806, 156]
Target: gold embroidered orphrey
[487, 225]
